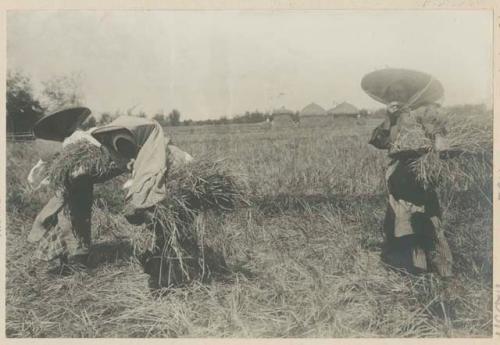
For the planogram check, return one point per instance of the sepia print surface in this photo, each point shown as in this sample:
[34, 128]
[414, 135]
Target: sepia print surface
[249, 174]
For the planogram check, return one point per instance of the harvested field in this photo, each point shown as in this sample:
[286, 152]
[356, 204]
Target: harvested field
[303, 256]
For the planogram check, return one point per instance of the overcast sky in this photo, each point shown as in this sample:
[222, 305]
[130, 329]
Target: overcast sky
[214, 63]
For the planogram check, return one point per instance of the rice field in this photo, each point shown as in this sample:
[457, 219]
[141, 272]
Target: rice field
[303, 256]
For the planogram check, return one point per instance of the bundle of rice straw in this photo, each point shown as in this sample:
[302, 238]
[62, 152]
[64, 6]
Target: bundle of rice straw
[466, 161]
[177, 253]
[82, 159]
[417, 131]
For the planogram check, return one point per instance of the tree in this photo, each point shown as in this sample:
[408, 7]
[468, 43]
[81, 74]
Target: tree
[23, 110]
[249, 117]
[174, 118]
[161, 119]
[62, 91]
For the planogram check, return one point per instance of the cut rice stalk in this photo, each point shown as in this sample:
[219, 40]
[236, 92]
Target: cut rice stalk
[194, 191]
[82, 159]
[467, 159]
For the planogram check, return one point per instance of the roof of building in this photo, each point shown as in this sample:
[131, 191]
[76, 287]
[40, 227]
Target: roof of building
[312, 109]
[344, 108]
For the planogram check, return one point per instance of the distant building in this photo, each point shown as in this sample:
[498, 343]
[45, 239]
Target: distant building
[313, 109]
[344, 109]
[313, 114]
[346, 115]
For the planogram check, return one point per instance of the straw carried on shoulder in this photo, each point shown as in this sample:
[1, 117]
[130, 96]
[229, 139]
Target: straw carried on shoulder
[82, 159]
[466, 153]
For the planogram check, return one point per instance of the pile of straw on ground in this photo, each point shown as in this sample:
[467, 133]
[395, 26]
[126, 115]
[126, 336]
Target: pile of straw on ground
[174, 251]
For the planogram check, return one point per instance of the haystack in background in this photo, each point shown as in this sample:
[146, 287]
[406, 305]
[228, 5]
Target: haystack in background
[172, 243]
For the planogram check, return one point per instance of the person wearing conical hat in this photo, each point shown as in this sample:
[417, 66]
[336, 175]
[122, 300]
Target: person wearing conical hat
[62, 228]
[140, 142]
[414, 236]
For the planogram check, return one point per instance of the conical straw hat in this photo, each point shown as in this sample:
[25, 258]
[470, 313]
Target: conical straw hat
[410, 88]
[60, 124]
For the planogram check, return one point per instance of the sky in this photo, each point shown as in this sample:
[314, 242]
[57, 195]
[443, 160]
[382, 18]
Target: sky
[209, 64]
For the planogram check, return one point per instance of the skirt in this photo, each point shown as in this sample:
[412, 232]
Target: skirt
[414, 235]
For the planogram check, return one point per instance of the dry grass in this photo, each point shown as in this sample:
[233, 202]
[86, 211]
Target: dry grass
[173, 234]
[304, 258]
[468, 159]
[468, 156]
[81, 158]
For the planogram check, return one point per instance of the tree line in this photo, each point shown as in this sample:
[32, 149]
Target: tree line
[25, 106]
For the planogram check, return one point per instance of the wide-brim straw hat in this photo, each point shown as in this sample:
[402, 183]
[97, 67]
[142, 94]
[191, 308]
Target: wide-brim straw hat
[61, 124]
[410, 88]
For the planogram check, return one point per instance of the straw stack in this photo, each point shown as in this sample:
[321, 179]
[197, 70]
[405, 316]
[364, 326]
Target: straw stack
[463, 159]
[177, 253]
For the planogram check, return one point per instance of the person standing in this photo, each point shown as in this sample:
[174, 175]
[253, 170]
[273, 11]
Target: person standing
[414, 238]
[414, 235]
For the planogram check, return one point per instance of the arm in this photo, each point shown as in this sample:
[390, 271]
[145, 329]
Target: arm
[381, 135]
[37, 175]
[384, 134]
